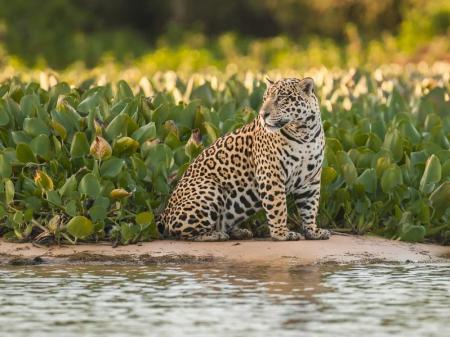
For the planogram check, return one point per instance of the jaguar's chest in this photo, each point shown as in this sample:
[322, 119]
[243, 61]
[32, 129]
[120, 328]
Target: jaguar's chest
[301, 162]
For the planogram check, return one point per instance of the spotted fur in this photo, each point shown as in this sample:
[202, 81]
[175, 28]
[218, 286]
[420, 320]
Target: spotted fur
[255, 167]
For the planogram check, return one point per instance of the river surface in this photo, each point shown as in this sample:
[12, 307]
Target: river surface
[221, 300]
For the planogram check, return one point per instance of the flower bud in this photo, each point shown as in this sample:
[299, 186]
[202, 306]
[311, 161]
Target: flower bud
[194, 145]
[100, 148]
[43, 180]
[120, 193]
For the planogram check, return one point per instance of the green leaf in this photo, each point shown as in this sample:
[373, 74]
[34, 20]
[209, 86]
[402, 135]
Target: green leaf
[9, 191]
[41, 146]
[80, 227]
[25, 154]
[145, 132]
[129, 232]
[124, 90]
[329, 175]
[89, 103]
[71, 208]
[98, 213]
[410, 132]
[4, 116]
[35, 127]
[392, 177]
[125, 146]
[211, 132]
[80, 145]
[89, 185]
[349, 173]
[440, 198]
[159, 157]
[118, 126]
[393, 142]
[368, 179]
[144, 218]
[432, 174]
[412, 233]
[5, 167]
[54, 198]
[69, 186]
[418, 157]
[111, 167]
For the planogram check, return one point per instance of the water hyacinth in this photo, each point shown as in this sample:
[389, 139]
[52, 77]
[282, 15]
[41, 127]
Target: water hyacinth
[100, 148]
[98, 162]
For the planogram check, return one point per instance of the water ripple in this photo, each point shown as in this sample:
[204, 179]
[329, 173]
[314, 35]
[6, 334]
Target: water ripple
[377, 300]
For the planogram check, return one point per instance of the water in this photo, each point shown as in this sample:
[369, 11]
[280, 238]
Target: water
[377, 300]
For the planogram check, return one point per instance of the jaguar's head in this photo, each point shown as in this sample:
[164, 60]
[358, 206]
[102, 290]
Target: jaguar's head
[289, 100]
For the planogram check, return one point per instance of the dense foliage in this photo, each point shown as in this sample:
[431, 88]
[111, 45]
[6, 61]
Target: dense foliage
[99, 161]
[128, 30]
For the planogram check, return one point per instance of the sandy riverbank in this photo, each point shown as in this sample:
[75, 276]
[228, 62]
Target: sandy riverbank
[339, 249]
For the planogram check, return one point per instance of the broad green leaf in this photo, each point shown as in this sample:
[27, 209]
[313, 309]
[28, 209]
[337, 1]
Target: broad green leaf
[80, 145]
[144, 218]
[145, 132]
[368, 179]
[97, 213]
[159, 157]
[394, 143]
[391, 178]
[329, 175]
[440, 198]
[211, 132]
[125, 145]
[89, 103]
[410, 132]
[431, 175]
[59, 129]
[41, 146]
[89, 185]
[124, 90]
[25, 154]
[80, 227]
[35, 127]
[54, 198]
[419, 157]
[413, 233]
[129, 232]
[349, 173]
[5, 167]
[118, 126]
[4, 116]
[111, 167]
[69, 186]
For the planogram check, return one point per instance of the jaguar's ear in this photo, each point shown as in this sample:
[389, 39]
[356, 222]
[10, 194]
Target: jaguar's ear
[307, 85]
[269, 81]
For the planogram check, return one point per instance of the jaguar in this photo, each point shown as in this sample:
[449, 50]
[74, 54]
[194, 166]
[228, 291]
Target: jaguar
[256, 167]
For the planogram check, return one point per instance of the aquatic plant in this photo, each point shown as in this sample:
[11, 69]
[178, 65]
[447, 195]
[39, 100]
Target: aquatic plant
[98, 161]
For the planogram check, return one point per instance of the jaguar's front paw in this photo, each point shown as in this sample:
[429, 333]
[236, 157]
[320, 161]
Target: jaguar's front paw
[288, 236]
[240, 234]
[317, 234]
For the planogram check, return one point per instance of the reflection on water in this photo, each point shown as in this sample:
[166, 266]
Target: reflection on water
[379, 300]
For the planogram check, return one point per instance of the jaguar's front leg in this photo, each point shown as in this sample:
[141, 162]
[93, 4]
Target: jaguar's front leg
[307, 201]
[273, 198]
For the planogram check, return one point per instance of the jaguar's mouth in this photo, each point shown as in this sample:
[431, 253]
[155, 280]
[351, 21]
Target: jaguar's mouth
[274, 127]
[271, 128]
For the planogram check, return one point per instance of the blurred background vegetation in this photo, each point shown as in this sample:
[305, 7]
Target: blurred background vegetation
[194, 35]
